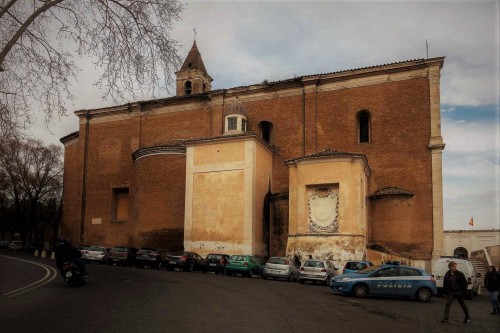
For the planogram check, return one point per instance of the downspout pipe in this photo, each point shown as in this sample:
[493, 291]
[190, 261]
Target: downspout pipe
[84, 180]
[299, 80]
[316, 115]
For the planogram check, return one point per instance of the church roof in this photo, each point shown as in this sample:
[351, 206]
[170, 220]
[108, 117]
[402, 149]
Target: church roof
[390, 191]
[193, 60]
[326, 153]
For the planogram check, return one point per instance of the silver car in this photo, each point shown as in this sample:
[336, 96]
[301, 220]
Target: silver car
[96, 254]
[15, 245]
[280, 267]
[317, 270]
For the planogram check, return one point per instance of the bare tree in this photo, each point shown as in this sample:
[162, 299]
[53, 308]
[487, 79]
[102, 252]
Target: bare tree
[129, 39]
[30, 179]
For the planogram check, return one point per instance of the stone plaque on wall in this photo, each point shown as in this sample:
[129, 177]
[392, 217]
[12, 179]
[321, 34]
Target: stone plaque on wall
[323, 208]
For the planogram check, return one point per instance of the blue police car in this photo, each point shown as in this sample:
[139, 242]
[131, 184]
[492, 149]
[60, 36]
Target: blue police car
[387, 280]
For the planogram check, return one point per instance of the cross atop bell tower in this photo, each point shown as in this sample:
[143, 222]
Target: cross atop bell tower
[193, 78]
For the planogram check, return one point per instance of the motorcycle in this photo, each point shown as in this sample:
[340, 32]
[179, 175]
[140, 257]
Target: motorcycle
[72, 274]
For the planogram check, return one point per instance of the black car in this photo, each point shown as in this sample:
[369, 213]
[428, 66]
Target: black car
[150, 257]
[122, 255]
[215, 262]
[188, 261]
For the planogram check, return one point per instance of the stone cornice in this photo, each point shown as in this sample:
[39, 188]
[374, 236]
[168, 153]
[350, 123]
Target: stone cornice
[233, 137]
[403, 70]
[72, 136]
[159, 150]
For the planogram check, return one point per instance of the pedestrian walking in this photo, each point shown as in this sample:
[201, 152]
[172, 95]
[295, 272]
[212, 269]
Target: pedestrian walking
[492, 283]
[455, 287]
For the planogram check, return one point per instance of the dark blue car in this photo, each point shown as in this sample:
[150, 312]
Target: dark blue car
[387, 280]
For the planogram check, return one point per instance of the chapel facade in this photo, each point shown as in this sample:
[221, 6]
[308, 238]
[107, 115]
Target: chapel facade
[327, 165]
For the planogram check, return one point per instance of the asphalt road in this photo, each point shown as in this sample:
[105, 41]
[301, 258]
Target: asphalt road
[33, 298]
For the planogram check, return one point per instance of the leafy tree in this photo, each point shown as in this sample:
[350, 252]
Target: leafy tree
[30, 187]
[129, 39]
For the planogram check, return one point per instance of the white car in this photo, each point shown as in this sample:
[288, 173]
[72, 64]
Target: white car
[317, 270]
[96, 254]
[465, 266]
[280, 267]
[15, 245]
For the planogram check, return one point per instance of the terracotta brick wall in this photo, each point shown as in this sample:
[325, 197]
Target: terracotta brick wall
[72, 191]
[159, 201]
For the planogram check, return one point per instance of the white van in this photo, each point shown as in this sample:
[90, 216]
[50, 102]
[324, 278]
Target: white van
[463, 265]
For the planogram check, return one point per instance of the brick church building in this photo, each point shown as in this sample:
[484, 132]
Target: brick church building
[330, 165]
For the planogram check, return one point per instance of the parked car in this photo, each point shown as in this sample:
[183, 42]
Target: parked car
[465, 266]
[387, 280]
[122, 255]
[352, 266]
[16, 245]
[282, 268]
[83, 249]
[186, 260]
[246, 265]
[94, 253]
[4, 244]
[150, 257]
[215, 262]
[317, 271]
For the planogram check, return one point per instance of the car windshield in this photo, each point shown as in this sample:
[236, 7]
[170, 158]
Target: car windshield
[145, 251]
[96, 248]
[238, 258]
[279, 261]
[119, 249]
[368, 270]
[214, 256]
[314, 264]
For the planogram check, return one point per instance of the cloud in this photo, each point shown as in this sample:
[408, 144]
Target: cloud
[463, 137]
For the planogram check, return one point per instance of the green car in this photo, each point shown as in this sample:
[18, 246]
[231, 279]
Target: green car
[246, 265]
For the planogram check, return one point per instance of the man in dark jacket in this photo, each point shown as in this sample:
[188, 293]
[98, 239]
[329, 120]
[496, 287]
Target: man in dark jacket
[64, 252]
[455, 287]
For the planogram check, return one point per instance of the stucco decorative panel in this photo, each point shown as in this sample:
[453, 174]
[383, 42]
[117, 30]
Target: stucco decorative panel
[323, 209]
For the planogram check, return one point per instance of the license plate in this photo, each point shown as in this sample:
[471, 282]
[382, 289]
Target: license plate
[69, 274]
[213, 264]
[172, 263]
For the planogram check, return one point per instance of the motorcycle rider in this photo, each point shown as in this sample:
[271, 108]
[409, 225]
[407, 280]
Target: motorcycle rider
[64, 252]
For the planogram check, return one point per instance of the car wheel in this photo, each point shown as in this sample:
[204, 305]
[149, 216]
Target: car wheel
[424, 294]
[228, 273]
[189, 267]
[360, 290]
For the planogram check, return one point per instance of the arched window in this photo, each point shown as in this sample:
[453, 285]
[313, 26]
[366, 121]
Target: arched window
[266, 131]
[187, 87]
[363, 126]
[461, 252]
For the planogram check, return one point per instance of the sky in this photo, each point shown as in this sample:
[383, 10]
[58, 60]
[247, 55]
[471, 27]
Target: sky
[245, 42]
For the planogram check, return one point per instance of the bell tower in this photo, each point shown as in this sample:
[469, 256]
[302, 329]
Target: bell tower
[193, 78]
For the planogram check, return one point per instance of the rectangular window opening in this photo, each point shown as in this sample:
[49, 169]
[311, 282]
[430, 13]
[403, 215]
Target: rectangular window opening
[120, 204]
